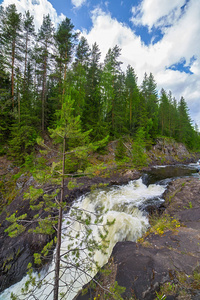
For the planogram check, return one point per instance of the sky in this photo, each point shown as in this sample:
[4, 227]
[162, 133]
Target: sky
[158, 36]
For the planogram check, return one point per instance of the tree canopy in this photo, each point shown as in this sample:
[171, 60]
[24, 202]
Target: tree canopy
[38, 71]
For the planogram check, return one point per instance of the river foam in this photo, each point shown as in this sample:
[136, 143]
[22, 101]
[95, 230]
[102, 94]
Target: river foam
[119, 203]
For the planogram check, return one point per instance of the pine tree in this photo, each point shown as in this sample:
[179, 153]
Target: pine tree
[69, 136]
[11, 43]
[5, 104]
[46, 42]
[29, 35]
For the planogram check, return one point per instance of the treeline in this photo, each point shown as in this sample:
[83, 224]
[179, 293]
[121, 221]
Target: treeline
[39, 70]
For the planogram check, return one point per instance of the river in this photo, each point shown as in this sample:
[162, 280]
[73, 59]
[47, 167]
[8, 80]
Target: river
[125, 205]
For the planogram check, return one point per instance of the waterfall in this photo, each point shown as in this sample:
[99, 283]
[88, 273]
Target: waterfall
[119, 203]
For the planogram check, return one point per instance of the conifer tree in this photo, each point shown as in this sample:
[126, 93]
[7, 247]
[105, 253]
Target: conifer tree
[65, 38]
[11, 43]
[149, 92]
[5, 104]
[185, 130]
[164, 109]
[46, 42]
[92, 111]
[110, 73]
[132, 96]
[80, 75]
[29, 35]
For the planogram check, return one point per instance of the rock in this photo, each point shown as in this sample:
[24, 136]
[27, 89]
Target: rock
[143, 268]
[173, 257]
[168, 151]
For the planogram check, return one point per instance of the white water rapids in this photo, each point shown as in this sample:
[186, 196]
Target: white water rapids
[120, 203]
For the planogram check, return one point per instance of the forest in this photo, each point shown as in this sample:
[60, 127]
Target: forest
[53, 74]
[54, 87]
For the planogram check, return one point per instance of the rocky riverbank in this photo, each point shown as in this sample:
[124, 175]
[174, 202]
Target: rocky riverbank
[16, 253]
[165, 261]
[168, 262]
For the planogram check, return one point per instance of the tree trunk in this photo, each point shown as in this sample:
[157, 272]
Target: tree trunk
[25, 62]
[44, 91]
[65, 75]
[57, 258]
[12, 75]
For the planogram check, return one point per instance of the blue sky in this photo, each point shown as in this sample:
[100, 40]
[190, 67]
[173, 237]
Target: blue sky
[158, 36]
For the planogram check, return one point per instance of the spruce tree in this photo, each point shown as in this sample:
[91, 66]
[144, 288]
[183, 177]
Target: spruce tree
[92, 111]
[185, 129]
[164, 118]
[109, 75]
[132, 98]
[66, 39]
[79, 76]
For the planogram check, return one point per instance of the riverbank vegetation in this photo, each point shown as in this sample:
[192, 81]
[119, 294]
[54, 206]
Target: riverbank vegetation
[61, 106]
[40, 72]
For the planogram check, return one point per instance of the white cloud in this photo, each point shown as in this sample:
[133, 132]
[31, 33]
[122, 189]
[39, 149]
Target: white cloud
[157, 12]
[180, 40]
[37, 8]
[78, 3]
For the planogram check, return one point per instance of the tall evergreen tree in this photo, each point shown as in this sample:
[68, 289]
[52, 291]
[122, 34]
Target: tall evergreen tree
[92, 116]
[46, 41]
[149, 92]
[11, 43]
[185, 129]
[164, 109]
[80, 75]
[29, 34]
[132, 96]
[110, 72]
[65, 38]
[5, 112]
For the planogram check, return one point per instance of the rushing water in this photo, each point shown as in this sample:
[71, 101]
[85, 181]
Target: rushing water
[124, 204]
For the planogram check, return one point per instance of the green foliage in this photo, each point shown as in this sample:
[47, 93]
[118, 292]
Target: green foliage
[33, 194]
[138, 149]
[72, 184]
[16, 227]
[116, 292]
[22, 142]
[120, 151]
[196, 279]
[75, 163]
[84, 104]
[160, 296]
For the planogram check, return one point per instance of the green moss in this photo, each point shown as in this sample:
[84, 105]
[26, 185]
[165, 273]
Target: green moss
[196, 279]
[98, 185]
[6, 263]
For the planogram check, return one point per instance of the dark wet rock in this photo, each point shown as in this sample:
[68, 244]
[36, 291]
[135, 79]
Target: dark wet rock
[145, 267]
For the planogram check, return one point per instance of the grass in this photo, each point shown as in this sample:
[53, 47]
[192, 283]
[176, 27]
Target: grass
[164, 223]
